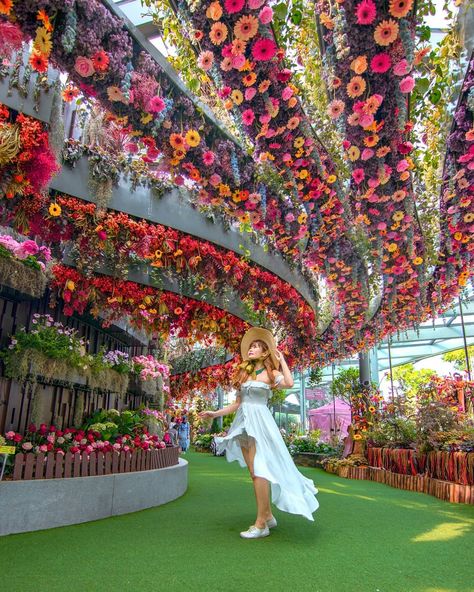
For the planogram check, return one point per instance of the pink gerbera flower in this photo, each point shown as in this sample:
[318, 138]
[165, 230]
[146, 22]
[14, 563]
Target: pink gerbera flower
[366, 12]
[358, 175]
[380, 63]
[407, 84]
[264, 50]
[336, 108]
[205, 60]
[208, 157]
[233, 6]
[248, 117]
[156, 105]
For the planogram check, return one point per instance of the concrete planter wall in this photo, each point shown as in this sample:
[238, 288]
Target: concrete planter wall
[309, 459]
[46, 503]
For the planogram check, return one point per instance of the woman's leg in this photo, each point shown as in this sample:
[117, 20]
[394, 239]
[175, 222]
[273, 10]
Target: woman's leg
[260, 485]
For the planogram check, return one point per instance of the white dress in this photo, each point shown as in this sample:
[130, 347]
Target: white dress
[291, 491]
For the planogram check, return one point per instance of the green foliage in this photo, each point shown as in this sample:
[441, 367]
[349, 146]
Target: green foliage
[346, 384]
[111, 423]
[277, 398]
[393, 432]
[458, 357]
[204, 441]
[410, 380]
[315, 376]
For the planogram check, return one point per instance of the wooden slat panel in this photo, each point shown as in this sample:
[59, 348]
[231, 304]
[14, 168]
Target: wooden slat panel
[127, 461]
[18, 467]
[39, 466]
[92, 464]
[59, 466]
[29, 466]
[115, 463]
[84, 465]
[100, 463]
[122, 463]
[68, 464]
[133, 463]
[108, 463]
[77, 465]
[50, 465]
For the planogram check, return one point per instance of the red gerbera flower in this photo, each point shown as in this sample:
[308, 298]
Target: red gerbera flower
[38, 62]
[100, 60]
[263, 50]
[380, 63]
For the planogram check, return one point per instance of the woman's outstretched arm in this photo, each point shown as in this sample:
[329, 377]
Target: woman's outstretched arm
[224, 411]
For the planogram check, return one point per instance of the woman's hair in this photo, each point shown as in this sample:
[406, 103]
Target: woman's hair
[243, 374]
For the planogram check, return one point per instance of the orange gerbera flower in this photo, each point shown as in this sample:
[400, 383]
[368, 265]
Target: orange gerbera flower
[263, 86]
[238, 46]
[249, 79]
[44, 18]
[400, 8]
[356, 87]
[246, 27]
[383, 151]
[177, 141]
[386, 32]
[5, 6]
[214, 11]
[38, 61]
[371, 140]
[218, 33]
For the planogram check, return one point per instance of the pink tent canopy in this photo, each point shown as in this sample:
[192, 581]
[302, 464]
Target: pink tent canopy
[331, 419]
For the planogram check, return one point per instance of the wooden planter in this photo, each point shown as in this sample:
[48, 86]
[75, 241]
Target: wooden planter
[309, 459]
[21, 277]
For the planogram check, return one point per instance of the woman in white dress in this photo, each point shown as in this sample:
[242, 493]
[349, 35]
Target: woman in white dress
[254, 439]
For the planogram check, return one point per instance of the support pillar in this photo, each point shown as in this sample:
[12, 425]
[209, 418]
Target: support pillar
[220, 405]
[364, 368]
[302, 402]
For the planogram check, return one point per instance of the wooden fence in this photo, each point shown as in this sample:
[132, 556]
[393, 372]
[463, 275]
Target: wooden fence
[57, 466]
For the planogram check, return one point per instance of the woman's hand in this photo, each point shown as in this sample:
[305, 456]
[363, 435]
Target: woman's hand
[279, 355]
[205, 414]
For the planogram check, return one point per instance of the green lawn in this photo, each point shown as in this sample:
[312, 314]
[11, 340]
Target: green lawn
[366, 537]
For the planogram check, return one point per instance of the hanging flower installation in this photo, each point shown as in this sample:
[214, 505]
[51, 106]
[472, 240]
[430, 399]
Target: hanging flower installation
[147, 308]
[27, 163]
[108, 236]
[185, 386]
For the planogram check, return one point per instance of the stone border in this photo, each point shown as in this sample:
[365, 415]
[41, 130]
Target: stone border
[26, 506]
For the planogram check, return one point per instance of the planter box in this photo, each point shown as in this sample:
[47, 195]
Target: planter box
[18, 276]
[309, 459]
[46, 503]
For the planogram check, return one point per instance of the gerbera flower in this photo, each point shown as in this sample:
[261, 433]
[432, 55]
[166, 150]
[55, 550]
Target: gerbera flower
[42, 42]
[250, 93]
[214, 11]
[383, 151]
[353, 153]
[205, 60]
[400, 8]
[248, 117]
[177, 141]
[208, 158]
[299, 141]
[468, 217]
[371, 140]
[44, 18]
[372, 104]
[115, 94]
[264, 86]
[54, 210]
[380, 63]
[218, 33]
[233, 6]
[359, 64]
[179, 154]
[293, 123]
[198, 35]
[100, 60]
[255, 4]
[246, 27]
[156, 105]
[358, 175]
[263, 50]
[470, 135]
[226, 65]
[69, 93]
[353, 119]
[356, 87]
[366, 12]
[5, 6]
[386, 32]
[238, 46]
[38, 61]
[399, 195]
[249, 79]
[237, 96]
[336, 108]
[193, 138]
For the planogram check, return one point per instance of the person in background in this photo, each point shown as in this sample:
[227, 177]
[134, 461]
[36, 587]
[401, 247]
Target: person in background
[184, 432]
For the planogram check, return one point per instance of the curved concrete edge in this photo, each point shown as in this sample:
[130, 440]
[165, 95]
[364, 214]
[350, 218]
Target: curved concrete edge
[26, 506]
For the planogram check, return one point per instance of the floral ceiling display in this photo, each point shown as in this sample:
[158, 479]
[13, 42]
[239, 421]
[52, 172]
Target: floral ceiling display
[352, 210]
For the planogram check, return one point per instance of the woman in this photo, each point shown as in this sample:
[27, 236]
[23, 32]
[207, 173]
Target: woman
[254, 439]
[184, 434]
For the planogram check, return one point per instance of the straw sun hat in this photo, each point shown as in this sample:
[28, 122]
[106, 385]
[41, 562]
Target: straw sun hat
[259, 334]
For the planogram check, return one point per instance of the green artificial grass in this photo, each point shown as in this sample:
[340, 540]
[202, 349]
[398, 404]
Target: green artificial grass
[366, 537]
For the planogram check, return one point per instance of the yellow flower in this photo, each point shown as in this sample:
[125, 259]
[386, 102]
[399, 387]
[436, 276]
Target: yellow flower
[331, 179]
[299, 141]
[302, 218]
[192, 138]
[357, 437]
[417, 261]
[398, 216]
[146, 118]
[54, 210]
[303, 174]
[237, 96]
[70, 285]
[458, 236]
[42, 42]
[353, 153]
[468, 217]
[392, 247]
